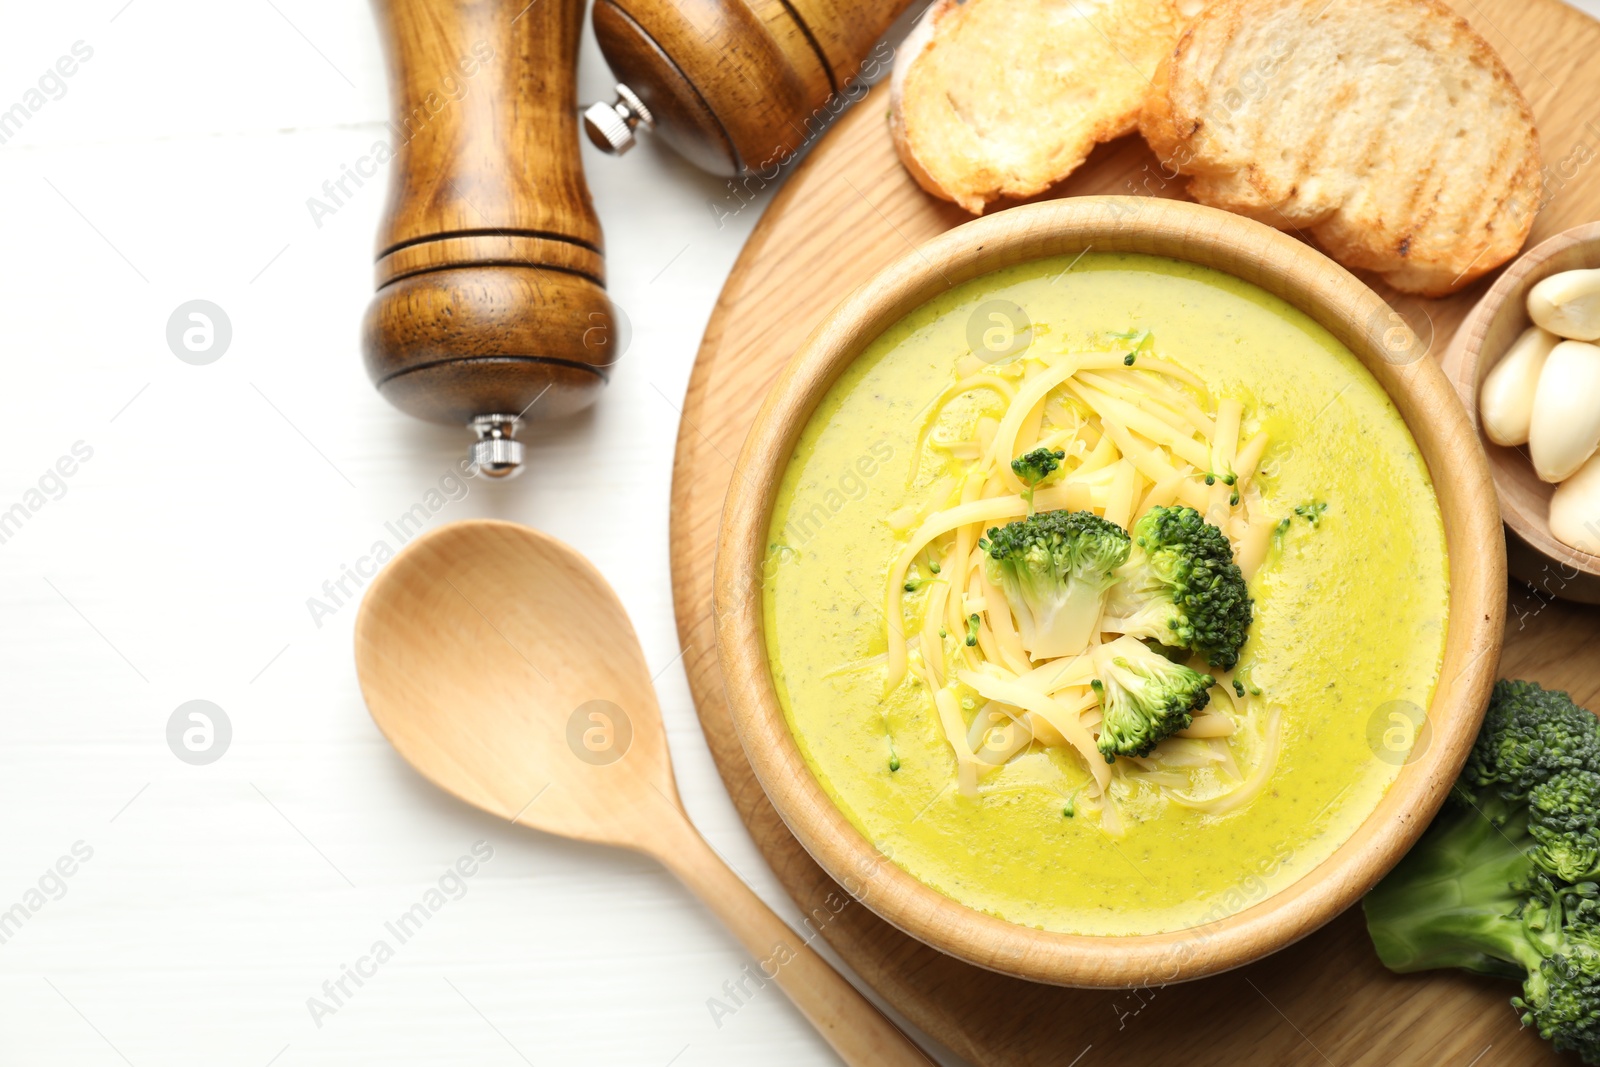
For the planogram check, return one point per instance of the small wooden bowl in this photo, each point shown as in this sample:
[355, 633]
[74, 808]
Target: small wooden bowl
[1359, 319]
[1536, 557]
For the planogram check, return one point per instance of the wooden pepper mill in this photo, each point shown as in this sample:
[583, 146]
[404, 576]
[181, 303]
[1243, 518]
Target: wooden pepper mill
[491, 306]
[736, 86]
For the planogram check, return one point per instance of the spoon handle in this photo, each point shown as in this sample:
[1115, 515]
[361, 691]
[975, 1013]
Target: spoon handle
[861, 1034]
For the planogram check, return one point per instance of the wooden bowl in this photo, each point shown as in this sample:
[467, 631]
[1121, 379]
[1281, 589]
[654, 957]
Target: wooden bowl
[1536, 557]
[1359, 319]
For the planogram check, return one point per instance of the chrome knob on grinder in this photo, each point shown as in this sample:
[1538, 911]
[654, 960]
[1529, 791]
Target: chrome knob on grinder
[611, 126]
[491, 308]
[496, 453]
[736, 87]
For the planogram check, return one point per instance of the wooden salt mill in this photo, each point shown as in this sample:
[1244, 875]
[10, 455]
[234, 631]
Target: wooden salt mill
[736, 86]
[491, 306]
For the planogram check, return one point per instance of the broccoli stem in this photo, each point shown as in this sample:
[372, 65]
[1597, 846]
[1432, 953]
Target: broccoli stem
[1073, 623]
[1503, 882]
[1453, 901]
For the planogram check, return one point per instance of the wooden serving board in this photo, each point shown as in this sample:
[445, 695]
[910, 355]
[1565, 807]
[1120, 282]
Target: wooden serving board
[848, 210]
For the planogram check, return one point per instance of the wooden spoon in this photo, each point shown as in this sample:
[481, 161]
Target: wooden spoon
[501, 665]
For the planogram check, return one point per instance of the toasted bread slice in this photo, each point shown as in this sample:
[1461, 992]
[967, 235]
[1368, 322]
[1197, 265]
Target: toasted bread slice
[1004, 98]
[1386, 129]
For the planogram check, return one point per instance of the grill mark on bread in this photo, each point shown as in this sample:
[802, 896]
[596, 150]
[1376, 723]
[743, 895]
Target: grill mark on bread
[1363, 152]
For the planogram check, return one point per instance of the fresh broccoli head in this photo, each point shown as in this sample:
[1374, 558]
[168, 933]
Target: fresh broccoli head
[1035, 467]
[1528, 735]
[1504, 881]
[1144, 697]
[1563, 810]
[1182, 588]
[1055, 569]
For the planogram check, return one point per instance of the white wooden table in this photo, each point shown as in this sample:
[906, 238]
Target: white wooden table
[220, 905]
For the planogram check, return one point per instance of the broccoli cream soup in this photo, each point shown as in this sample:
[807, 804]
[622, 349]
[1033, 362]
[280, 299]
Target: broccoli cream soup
[1103, 595]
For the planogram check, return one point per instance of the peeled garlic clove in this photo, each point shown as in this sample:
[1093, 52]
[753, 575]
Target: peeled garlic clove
[1568, 304]
[1506, 399]
[1575, 509]
[1566, 411]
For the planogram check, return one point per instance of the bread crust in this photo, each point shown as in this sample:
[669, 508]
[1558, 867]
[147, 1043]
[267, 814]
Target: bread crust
[912, 47]
[1001, 99]
[1388, 130]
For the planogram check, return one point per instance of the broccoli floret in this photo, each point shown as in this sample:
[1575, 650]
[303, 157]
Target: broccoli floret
[1144, 697]
[1562, 819]
[1183, 588]
[1035, 467]
[1503, 882]
[1562, 998]
[1528, 735]
[1055, 569]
